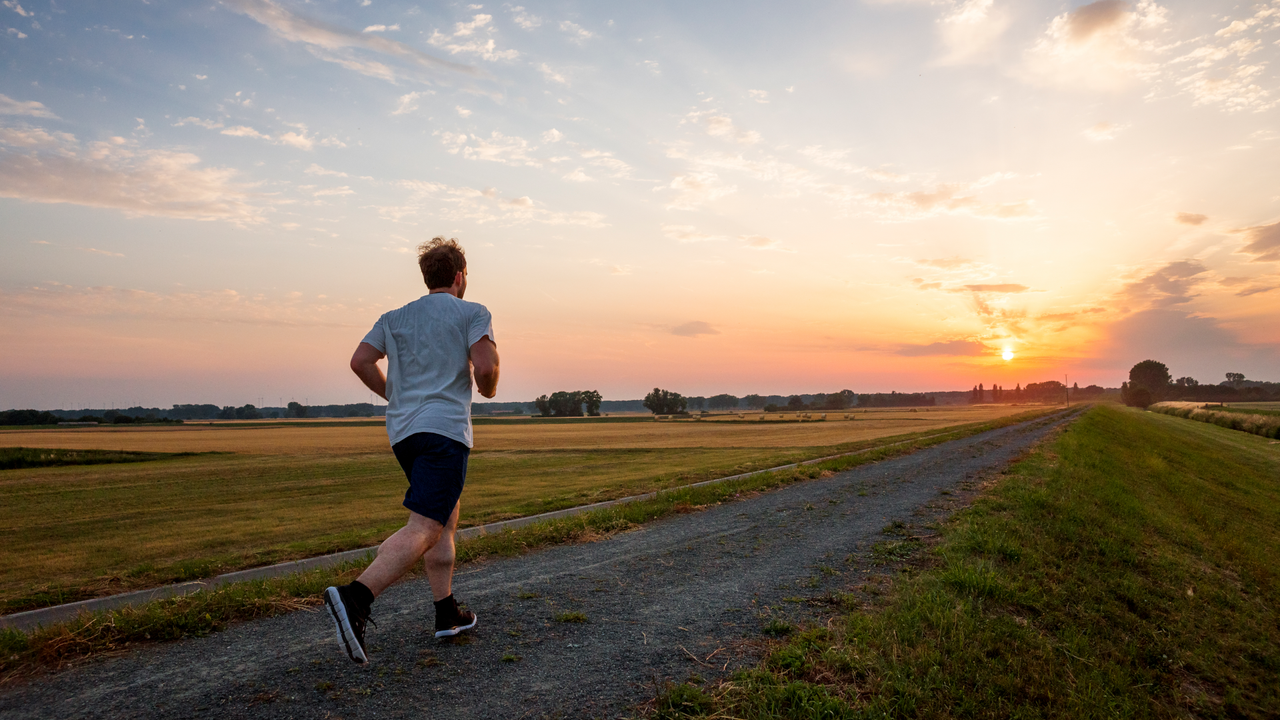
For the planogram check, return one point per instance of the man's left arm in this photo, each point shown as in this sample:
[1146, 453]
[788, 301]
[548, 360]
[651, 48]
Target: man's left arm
[484, 360]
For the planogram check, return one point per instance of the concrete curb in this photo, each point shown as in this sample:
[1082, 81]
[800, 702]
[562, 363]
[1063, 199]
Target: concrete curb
[33, 619]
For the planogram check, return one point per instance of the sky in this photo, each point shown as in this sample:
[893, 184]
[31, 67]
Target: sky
[214, 201]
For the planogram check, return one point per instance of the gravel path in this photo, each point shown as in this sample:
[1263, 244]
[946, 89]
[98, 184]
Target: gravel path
[684, 595]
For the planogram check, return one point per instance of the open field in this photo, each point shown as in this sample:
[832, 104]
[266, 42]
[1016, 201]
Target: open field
[300, 490]
[1127, 570]
[1258, 421]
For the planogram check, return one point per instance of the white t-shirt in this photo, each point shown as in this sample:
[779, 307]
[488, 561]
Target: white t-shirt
[428, 344]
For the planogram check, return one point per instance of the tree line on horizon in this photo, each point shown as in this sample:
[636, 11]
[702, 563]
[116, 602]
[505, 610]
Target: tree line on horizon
[1150, 382]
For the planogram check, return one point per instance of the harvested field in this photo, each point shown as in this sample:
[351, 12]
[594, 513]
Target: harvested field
[303, 489]
[310, 438]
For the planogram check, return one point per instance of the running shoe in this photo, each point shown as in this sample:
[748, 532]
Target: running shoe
[453, 620]
[350, 619]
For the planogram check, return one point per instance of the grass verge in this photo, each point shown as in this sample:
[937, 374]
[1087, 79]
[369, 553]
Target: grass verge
[17, 458]
[1126, 569]
[1258, 422]
[26, 653]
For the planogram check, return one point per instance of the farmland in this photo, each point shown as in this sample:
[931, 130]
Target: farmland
[275, 491]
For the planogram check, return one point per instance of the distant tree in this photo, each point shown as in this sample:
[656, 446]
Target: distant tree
[795, 402]
[840, 400]
[248, 412]
[566, 404]
[697, 402]
[1047, 391]
[295, 410]
[754, 402]
[591, 400]
[664, 402]
[723, 401]
[1151, 376]
[1187, 382]
[543, 404]
[1235, 378]
[1139, 397]
[28, 417]
[227, 413]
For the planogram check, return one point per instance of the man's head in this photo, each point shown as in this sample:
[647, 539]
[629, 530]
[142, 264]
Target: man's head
[441, 262]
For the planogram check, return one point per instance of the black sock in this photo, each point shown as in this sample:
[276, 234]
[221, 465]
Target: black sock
[361, 594]
[446, 606]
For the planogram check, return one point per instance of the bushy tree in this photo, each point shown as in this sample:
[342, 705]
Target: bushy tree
[723, 401]
[1151, 376]
[754, 402]
[1235, 378]
[591, 400]
[839, 401]
[664, 402]
[795, 402]
[295, 410]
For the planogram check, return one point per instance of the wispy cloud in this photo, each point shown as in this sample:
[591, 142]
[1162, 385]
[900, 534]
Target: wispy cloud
[576, 31]
[1104, 131]
[30, 108]
[524, 19]
[341, 45]
[1262, 242]
[499, 148]
[122, 176]
[961, 348]
[460, 203]
[694, 328]
[465, 38]
[1187, 218]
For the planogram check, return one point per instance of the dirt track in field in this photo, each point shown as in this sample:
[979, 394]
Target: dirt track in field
[685, 595]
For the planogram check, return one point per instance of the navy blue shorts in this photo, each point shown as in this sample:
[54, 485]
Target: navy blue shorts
[436, 467]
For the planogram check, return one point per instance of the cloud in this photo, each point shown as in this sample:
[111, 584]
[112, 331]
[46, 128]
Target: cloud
[524, 19]
[464, 39]
[17, 33]
[340, 45]
[30, 108]
[760, 96]
[970, 31]
[245, 131]
[16, 7]
[344, 190]
[408, 102]
[382, 28]
[118, 176]
[108, 253]
[760, 242]
[578, 175]
[552, 75]
[694, 328]
[206, 124]
[464, 112]
[577, 32]
[606, 161]
[944, 199]
[1262, 241]
[688, 234]
[460, 203]
[214, 306]
[317, 170]
[1104, 131]
[34, 137]
[499, 148]
[1191, 344]
[694, 189]
[994, 288]
[552, 136]
[1187, 218]
[954, 262]
[297, 139]
[1171, 284]
[721, 126]
[1100, 46]
[964, 348]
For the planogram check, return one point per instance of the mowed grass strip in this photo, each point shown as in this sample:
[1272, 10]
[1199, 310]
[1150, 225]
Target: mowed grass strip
[22, 654]
[81, 532]
[1126, 570]
[17, 458]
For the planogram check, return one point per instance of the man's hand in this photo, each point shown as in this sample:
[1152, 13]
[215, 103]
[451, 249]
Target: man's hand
[364, 363]
[484, 360]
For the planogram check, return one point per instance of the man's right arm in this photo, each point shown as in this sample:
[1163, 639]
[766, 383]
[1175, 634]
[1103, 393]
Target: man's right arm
[484, 360]
[364, 363]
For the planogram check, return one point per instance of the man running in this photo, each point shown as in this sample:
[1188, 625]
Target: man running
[432, 345]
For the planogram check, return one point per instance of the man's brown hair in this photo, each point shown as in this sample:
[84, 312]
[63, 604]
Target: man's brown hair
[441, 260]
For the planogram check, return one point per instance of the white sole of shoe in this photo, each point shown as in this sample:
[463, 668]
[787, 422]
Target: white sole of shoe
[455, 630]
[346, 635]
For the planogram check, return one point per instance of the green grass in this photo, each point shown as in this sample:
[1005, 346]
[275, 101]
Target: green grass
[201, 613]
[1128, 569]
[1259, 422]
[19, 458]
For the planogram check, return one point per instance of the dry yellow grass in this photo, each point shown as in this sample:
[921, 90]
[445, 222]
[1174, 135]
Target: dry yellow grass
[312, 438]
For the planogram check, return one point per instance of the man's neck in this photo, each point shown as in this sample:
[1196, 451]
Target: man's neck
[448, 291]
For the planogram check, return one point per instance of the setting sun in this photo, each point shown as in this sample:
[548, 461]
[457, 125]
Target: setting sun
[1007, 354]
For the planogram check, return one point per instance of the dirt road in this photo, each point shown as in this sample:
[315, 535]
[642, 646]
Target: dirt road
[686, 595]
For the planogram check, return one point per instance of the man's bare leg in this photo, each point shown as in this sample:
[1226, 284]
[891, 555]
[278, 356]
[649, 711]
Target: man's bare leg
[399, 552]
[438, 561]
